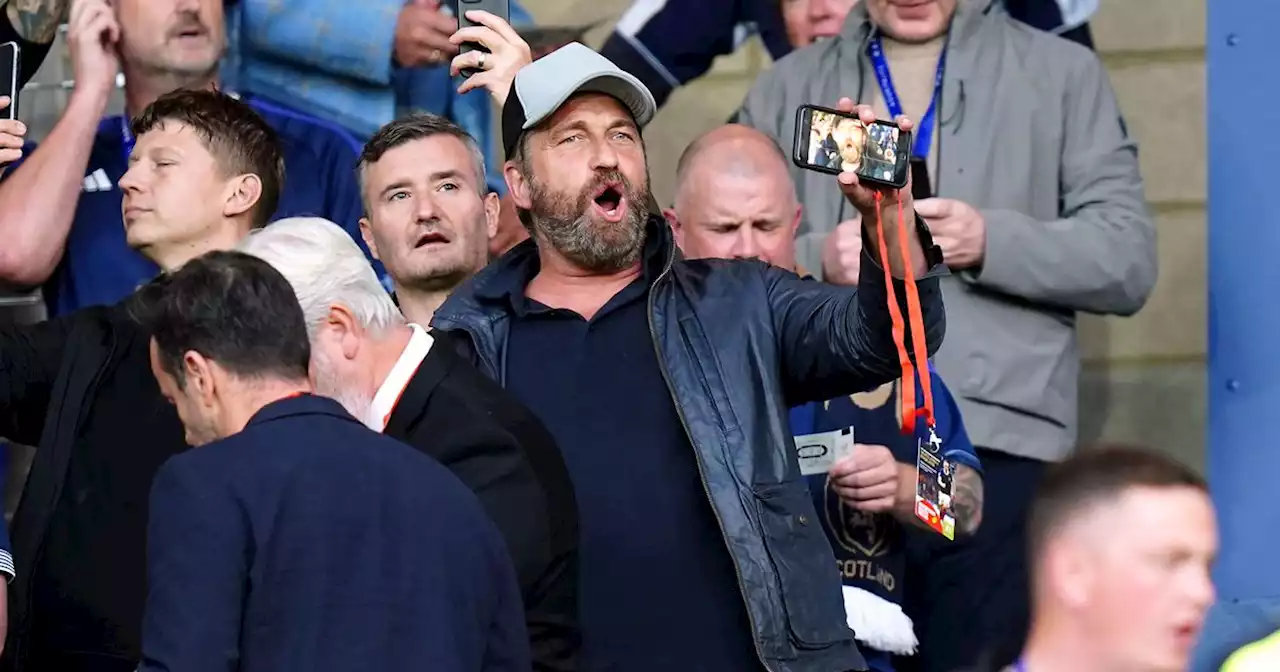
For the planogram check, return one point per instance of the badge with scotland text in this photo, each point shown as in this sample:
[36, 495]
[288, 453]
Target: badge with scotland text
[818, 452]
[934, 475]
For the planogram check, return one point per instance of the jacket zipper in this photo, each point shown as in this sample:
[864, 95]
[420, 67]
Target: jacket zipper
[702, 474]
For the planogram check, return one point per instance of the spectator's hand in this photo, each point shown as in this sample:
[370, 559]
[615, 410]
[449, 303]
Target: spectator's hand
[508, 52]
[92, 36]
[957, 228]
[863, 197]
[422, 35]
[12, 132]
[867, 480]
[842, 253]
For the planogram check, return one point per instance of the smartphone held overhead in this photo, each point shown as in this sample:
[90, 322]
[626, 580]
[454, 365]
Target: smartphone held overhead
[498, 8]
[834, 142]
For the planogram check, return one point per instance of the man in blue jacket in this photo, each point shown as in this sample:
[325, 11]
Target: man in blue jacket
[667, 385]
[63, 228]
[734, 200]
[296, 538]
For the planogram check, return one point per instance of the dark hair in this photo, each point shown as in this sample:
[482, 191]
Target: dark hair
[418, 126]
[230, 307]
[240, 139]
[1096, 475]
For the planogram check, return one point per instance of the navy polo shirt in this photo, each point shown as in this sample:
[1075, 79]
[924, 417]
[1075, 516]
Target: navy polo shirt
[658, 590]
[99, 268]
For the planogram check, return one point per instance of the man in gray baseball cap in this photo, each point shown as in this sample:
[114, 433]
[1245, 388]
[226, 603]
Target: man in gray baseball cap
[667, 383]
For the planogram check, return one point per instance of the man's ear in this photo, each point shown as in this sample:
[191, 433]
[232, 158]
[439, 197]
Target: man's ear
[673, 220]
[517, 185]
[492, 214]
[243, 193]
[366, 232]
[198, 377]
[795, 221]
[343, 325]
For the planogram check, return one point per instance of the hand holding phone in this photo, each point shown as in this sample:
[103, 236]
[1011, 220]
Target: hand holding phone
[494, 68]
[853, 141]
[498, 8]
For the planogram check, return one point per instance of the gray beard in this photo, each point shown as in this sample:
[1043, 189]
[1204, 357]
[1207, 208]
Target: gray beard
[558, 220]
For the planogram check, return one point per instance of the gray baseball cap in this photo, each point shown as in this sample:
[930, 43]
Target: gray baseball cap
[541, 87]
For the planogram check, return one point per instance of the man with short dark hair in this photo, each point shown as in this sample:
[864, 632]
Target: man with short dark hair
[79, 387]
[667, 385]
[428, 212]
[296, 538]
[1122, 541]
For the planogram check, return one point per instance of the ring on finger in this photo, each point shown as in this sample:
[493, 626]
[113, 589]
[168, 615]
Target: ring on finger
[480, 62]
[436, 54]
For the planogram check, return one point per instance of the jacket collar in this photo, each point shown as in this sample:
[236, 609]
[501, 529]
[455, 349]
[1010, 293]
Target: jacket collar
[299, 404]
[506, 278]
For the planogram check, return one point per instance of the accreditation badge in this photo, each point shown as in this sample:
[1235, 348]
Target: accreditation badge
[934, 475]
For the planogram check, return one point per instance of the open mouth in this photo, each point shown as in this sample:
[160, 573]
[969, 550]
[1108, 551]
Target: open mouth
[432, 238]
[611, 202]
[190, 32]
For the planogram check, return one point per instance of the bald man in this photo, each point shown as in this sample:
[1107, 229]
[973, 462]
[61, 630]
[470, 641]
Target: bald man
[735, 200]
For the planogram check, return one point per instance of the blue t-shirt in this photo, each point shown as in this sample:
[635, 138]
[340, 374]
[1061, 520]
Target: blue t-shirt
[99, 268]
[869, 548]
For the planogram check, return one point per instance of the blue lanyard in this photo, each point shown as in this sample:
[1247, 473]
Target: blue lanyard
[924, 127]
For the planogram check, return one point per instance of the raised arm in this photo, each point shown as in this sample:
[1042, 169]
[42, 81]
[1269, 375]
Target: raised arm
[38, 196]
[675, 44]
[1100, 255]
[197, 574]
[837, 340]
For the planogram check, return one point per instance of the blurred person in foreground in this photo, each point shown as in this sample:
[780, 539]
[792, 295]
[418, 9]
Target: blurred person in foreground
[671, 408]
[734, 200]
[1122, 541]
[400, 379]
[253, 538]
[63, 228]
[207, 170]
[1036, 199]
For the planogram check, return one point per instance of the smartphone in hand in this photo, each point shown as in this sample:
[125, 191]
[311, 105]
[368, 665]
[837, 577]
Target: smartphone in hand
[830, 141]
[10, 66]
[498, 8]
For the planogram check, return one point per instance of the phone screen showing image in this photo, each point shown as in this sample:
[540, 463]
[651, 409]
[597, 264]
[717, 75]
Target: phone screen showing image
[834, 142]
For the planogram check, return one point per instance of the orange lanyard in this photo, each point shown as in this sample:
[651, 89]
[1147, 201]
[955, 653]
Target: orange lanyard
[907, 390]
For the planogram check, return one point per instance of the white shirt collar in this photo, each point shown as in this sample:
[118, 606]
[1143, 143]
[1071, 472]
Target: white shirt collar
[384, 402]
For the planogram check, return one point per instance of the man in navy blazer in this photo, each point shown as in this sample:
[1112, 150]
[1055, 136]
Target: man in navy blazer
[293, 537]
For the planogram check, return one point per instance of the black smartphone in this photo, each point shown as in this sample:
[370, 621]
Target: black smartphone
[499, 8]
[10, 66]
[921, 185]
[830, 141]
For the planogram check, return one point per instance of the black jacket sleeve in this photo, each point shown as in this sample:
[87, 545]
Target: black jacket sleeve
[30, 356]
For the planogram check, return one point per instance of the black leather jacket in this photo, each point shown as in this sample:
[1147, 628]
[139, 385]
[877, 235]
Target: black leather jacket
[741, 342]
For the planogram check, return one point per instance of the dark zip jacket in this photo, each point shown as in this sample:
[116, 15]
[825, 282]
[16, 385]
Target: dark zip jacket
[740, 343]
